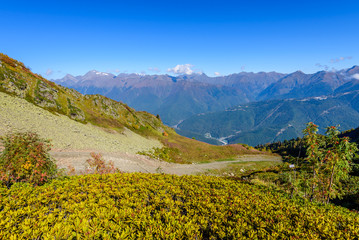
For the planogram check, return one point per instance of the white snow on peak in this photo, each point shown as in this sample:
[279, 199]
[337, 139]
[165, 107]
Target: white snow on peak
[102, 73]
[140, 74]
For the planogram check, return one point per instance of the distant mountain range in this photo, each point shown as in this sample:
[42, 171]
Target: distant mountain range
[301, 85]
[272, 106]
[174, 98]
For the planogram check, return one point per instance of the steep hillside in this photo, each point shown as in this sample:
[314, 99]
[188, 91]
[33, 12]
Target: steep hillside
[109, 115]
[348, 86]
[17, 80]
[17, 114]
[275, 120]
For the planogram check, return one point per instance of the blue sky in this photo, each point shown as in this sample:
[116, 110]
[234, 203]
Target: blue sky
[54, 38]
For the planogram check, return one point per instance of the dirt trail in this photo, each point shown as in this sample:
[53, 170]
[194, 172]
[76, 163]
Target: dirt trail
[136, 163]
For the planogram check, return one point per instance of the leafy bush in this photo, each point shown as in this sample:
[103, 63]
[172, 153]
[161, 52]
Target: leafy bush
[164, 153]
[247, 146]
[26, 158]
[162, 206]
[328, 161]
[97, 165]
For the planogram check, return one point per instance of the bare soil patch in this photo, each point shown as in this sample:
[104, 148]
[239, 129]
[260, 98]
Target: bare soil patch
[128, 162]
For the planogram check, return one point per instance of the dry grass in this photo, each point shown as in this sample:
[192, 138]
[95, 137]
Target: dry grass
[190, 150]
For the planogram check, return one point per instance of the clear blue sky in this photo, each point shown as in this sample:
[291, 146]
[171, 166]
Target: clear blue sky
[58, 37]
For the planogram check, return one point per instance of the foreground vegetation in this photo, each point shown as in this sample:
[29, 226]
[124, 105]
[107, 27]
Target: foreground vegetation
[323, 167]
[26, 158]
[37, 203]
[158, 206]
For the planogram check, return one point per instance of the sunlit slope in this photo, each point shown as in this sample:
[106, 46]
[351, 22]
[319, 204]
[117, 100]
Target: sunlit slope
[17, 114]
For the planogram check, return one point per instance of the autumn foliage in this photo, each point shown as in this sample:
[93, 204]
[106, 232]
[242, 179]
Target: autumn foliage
[328, 162]
[26, 158]
[97, 165]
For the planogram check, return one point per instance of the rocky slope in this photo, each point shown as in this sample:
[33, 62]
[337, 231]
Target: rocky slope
[17, 114]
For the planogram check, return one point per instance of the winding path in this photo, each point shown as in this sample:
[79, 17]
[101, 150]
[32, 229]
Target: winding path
[136, 163]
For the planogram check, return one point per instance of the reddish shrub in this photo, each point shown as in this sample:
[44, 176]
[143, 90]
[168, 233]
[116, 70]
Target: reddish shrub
[26, 158]
[97, 165]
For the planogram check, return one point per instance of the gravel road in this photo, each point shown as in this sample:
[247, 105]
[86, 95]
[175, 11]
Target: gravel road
[136, 163]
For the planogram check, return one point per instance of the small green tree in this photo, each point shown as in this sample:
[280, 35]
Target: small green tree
[26, 158]
[328, 159]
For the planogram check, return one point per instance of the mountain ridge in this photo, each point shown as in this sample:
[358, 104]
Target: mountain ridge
[138, 90]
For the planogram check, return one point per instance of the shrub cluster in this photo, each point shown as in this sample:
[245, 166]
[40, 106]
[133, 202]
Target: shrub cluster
[161, 206]
[26, 158]
[164, 153]
[97, 165]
